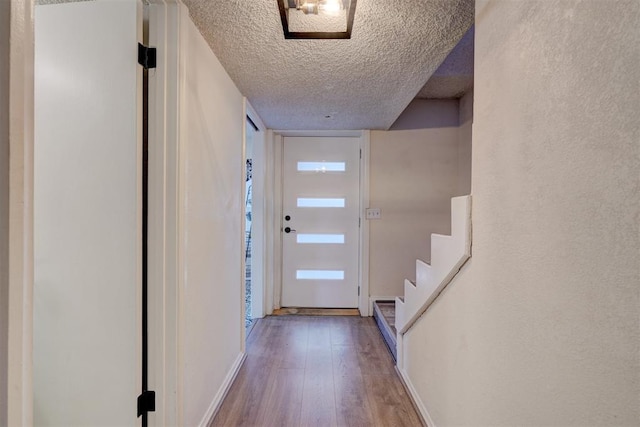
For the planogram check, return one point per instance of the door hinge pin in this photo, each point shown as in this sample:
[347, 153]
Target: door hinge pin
[146, 56]
[146, 402]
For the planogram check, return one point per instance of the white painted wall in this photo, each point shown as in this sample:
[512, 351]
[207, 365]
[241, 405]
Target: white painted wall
[197, 121]
[413, 175]
[5, 26]
[212, 180]
[541, 326]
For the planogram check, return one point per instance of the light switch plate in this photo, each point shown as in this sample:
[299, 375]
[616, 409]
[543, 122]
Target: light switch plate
[373, 213]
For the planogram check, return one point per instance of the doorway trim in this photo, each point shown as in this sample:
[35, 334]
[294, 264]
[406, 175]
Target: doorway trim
[19, 277]
[258, 213]
[273, 214]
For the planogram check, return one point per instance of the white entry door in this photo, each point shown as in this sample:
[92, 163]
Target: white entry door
[87, 213]
[320, 224]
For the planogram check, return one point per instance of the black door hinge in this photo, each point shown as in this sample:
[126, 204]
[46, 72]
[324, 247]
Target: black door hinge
[146, 402]
[146, 56]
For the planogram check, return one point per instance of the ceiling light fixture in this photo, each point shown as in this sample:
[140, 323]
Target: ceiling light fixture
[317, 19]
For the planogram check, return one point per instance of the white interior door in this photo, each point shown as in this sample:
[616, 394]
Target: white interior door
[321, 205]
[87, 213]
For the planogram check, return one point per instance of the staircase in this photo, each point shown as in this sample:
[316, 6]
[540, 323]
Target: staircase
[384, 312]
[448, 255]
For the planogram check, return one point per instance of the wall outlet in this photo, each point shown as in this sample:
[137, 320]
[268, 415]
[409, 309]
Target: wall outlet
[373, 213]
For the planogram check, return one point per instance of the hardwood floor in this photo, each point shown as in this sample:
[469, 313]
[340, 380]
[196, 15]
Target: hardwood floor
[317, 371]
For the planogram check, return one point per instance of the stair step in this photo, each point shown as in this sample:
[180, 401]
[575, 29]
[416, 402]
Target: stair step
[423, 273]
[448, 255]
[384, 313]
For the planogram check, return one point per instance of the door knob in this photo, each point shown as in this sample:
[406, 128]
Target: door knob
[289, 230]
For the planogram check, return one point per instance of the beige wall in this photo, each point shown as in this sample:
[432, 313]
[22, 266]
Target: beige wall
[428, 113]
[413, 175]
[541, 326]
[415, 169]
[5, 26]
[464, 144]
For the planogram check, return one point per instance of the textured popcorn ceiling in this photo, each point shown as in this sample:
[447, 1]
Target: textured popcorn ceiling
[454, 77]
[361, 83]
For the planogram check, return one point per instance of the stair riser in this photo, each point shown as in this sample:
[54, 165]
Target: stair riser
[423, 274]
[448, 254]
[388, 334]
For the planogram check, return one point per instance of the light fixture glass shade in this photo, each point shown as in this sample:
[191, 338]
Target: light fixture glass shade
[308, 6]
[331, 7]
[317, 19]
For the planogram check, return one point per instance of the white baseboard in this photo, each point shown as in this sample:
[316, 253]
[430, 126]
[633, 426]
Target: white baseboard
[222, 392]
[424, 414]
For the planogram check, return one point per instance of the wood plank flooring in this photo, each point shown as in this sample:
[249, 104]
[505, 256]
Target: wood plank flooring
[286, 311]
[309, 371]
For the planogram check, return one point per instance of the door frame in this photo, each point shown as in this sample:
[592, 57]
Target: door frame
[163, 20]
[273, 217]
[258, 210]
[19, 277]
